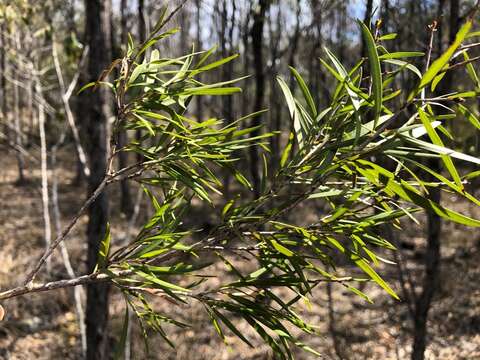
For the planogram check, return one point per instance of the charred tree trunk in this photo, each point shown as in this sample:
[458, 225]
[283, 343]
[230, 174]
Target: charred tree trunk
[98, 39]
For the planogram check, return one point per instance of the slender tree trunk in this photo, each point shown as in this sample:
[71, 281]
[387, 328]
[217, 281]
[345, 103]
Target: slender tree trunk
[318, 79]
[342, 31]
[17, 120]
[274, 96]
[434, 223]
[44, 171]
[184, 27]
[199, 99]
[226, 45]
[246, 59]
[257, 47]
[142, 34]
[291, 60]
[126, 204]
[386, 14]
[142, 30]
[366, 20]
[3, 79]
[96, 116]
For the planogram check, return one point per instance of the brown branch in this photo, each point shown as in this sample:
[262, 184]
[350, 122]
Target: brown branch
[66, 231]
[34, 288]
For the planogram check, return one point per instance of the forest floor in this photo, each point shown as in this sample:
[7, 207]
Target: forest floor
[43, 326]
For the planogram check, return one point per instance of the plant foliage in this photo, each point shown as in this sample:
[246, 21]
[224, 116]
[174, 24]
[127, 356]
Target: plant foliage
[359, 161]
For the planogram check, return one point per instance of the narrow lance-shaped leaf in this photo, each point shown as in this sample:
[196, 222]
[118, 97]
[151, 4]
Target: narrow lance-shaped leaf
[292, 107]
[104, 249]
[447, 160]
[375, 69]
[306, 93]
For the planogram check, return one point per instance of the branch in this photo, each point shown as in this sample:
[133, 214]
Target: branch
[66, 230]
[34, 288]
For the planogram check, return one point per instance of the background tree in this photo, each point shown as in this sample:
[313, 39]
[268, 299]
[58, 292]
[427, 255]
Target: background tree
[97, 28]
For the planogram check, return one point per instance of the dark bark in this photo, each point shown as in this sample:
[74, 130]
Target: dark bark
[142, 35]
[318, 79]
[199, 99]
[225, 35]
[434, 223]
[96, 111]
[3, 80]
[275, 112]
[366, 20]
[126, 203]
[184, 29]
[342, 31]
[142, 32]
[385, 15]
[257, 47]
[291, 60]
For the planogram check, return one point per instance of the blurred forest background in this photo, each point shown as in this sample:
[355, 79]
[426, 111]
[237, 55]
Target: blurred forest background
[47, 142]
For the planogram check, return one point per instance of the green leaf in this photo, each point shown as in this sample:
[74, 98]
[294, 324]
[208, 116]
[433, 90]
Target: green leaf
[104, 249]
[406, 65]
[362, 264]
[375, 70]
[286, 151]
[212, 91]
[391, 36]
[306, 93]
[94, 84]
[441, 150]
[232, 327]
[471, 71]
[401, 55]
[447, 160]
[217, 63]
[161, 283]
[294, 114]
[281, 249]
[469, 115]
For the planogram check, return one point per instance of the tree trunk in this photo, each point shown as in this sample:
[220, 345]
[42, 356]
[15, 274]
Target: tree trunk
[199, 99]
[366, 20]
[276, 110]
[126, 204]
[16, 119]
[434, 223]
[291, 60]
[3, 80]
[257, 46]
[225, 35]
[142, 34]
[98, 39]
